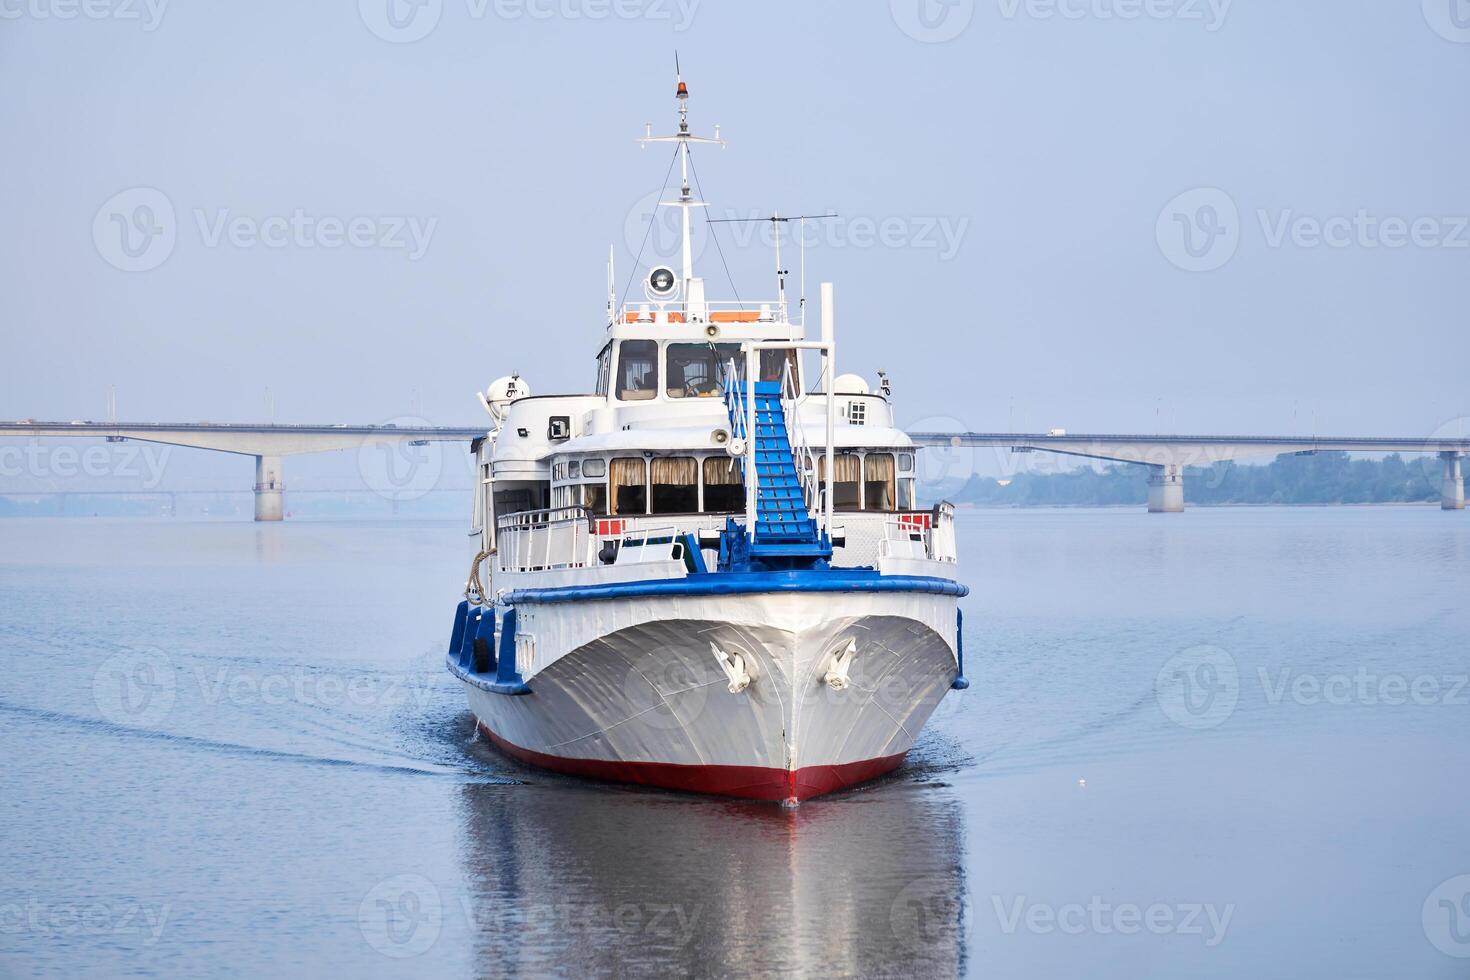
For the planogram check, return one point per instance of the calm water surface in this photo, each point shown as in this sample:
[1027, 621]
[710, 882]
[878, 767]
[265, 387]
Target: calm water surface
[1227, 743]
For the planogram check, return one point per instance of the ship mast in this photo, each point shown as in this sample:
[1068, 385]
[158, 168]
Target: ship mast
[686, 199]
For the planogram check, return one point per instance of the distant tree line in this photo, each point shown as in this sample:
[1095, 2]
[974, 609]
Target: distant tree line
[1320, 478]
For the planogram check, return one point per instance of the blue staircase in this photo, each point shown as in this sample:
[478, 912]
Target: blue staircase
[784, 528]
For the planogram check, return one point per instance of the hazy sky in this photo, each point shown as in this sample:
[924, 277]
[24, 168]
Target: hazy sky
[205, 200]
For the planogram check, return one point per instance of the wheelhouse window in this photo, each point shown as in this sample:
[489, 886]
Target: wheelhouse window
[594, 498]
[694, 370]
[724, 493]
[772, 362]
[674, 485]
[847, 488]
[637, 370]
[604, 369]
[880, 489]
[628, 490]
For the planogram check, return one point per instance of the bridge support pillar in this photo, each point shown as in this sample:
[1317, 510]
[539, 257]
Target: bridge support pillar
[1452, 493]
[269, 490]
[1166, 489]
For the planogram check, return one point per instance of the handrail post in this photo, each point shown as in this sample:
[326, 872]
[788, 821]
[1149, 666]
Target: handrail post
[752, 371]
[829, 358]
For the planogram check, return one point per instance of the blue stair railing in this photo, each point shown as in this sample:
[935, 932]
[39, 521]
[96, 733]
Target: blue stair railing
[784, 525]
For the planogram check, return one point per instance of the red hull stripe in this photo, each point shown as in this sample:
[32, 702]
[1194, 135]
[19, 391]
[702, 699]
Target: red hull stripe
[746, 782]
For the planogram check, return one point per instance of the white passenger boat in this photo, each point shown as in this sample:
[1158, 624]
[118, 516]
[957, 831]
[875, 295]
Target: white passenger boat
[710, 574]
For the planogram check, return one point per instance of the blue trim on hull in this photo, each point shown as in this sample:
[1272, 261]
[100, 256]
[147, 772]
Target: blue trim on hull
[747, 583]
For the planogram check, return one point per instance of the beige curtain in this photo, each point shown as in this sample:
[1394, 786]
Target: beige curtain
[679, 471]
[881, 489]
[722, 472]
[627, 472]
[847, 465]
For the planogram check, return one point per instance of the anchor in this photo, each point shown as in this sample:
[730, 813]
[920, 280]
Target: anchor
[734, 667]
[837, 670]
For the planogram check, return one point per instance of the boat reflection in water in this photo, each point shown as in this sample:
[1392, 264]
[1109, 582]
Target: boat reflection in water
[583, 880]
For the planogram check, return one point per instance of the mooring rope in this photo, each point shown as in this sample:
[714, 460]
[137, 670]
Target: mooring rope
[474, 589]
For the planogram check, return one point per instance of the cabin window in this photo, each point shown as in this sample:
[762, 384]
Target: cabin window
[694, 370]
[637, 370]
[724, 491]
[772, 362]
[594, 498]
[906, 495]
[675, 485]
[574, 469]
[629, 491]
[517, 501]
[604, 369]
[880, 491]
[594, 467]
[847, 490]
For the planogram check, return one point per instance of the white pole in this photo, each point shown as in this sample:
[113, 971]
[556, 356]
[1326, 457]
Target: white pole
[829, 364]
[687, 252]
[752, 481]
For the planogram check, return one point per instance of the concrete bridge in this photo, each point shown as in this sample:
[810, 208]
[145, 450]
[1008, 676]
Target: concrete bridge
[1167, 456]
[269, 444]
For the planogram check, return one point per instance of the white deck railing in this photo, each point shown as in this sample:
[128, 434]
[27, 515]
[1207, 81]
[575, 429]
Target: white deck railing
[536, 540]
